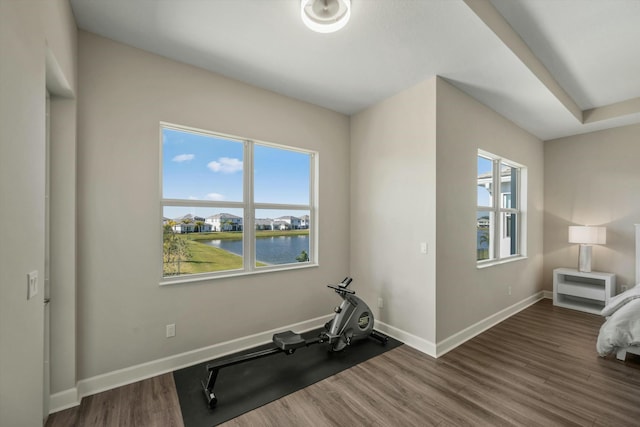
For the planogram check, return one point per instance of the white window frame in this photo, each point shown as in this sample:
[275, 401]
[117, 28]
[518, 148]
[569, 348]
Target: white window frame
[497, 211]
[249, 207]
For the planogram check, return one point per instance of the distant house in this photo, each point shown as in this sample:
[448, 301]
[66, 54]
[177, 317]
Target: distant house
[204, 227]
[281, 225]
[483, 222]
[182, 227]
[188, 218]
[225, 222]
[288, 222]
[184, 218]
[304, 221]
[188, 224]
[264, 224]
[485, 180]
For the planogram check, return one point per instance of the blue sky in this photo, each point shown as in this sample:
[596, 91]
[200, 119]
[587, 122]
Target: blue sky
[206, 167]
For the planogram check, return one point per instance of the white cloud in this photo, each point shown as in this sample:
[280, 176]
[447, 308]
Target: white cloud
[215, 196]
[183, 158]
[192, 198]
[225, 165]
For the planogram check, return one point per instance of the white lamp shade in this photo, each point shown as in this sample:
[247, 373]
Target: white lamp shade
[588, 235]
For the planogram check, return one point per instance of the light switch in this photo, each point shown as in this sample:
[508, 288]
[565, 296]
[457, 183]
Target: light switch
[32, 284]
[423, 247]
[171, 330]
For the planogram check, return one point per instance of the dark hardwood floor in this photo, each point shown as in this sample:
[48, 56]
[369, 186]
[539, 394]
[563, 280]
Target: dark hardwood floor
[537, 368]
[151, 402]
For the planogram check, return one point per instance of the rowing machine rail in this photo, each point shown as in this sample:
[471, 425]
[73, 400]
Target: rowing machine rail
[353, 320]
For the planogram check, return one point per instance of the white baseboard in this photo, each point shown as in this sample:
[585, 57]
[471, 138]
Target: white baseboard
[411, 340]
[466, 334]
[448, 344]
[86, 387]
[64, 400]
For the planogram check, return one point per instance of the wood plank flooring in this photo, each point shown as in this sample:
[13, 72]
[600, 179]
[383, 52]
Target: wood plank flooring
[537, 368]
[151, 402]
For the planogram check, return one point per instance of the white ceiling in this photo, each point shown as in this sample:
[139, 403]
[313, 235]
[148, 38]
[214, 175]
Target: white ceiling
[588, 50]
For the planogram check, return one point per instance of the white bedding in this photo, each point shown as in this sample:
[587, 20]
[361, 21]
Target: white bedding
[619, 300]
[621, 329]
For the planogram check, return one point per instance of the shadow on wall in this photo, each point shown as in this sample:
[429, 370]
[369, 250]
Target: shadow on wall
[617, 256]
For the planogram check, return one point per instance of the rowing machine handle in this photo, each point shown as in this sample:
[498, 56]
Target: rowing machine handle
[341, 290]
[346, 282]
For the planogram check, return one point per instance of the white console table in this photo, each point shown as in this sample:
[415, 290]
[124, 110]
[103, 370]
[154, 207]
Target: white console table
[588, 292]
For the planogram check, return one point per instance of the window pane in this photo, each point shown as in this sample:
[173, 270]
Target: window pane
[508, 243]
[485, 224]
[281, 176]
[508, 186]
[198, 166]
[485, 181]
[201, 240]
[282, 237]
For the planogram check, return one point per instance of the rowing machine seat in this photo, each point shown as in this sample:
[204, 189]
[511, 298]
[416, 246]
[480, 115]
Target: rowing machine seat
[288, 340]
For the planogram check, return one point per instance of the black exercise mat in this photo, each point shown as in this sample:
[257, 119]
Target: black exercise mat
[247, 386]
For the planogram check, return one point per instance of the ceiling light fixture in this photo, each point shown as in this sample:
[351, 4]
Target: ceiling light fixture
[325, 16]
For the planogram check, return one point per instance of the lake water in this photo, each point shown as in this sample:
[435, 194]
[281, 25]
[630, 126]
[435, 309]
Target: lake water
[269, 250]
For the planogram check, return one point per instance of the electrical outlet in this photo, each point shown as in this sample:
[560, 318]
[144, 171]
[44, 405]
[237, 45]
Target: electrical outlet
[424, 248]
[509, 289]
[171, 330]
[380, 302]
[32, 284]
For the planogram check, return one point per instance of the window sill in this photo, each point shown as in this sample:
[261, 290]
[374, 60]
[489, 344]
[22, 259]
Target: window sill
[235, 273]
[485, 264]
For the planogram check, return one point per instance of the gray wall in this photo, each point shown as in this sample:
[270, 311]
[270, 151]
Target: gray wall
[62, 40]
[122, 310]
[466, 294]
[393, 189]
[63, 243]
[593, 179]
[410, 161]
[413, 180]
[27, 30]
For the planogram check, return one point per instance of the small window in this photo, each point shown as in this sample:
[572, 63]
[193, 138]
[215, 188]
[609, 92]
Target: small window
[232, 206]
[499, 219]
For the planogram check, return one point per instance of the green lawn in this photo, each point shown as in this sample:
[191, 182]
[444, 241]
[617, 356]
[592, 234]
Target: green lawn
[204, 258]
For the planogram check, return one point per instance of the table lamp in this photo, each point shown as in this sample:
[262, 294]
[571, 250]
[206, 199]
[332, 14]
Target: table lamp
[586, 236]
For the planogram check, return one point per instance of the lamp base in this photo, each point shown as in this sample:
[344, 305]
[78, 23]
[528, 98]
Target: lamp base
[584, 259]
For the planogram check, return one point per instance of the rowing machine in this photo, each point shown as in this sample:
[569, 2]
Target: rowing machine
[352, 321]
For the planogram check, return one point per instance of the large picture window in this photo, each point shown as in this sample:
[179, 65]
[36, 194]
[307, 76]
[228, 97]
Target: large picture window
[499, 217]
[233, 205]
